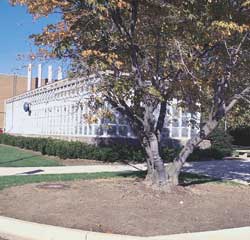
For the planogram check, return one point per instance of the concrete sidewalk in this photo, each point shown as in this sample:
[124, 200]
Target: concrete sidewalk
[237, 170]
[233, 170]
[8, 171]
[14, 229]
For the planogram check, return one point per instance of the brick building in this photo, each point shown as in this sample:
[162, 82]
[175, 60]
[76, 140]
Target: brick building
[10, 85]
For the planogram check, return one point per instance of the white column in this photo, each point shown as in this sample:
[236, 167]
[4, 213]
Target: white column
[61, 119]
[170, 120]
[50, 74]
[117, 124]
[29, 80]
[72, 111]
[68, 120]
[65, 124]
[189, 125]
[180, 122]
[47, 120]
[59, 73]
[79, 121]
[39, 75]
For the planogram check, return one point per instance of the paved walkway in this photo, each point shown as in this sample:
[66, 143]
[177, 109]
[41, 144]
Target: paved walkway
[237, 170]
[8, 171]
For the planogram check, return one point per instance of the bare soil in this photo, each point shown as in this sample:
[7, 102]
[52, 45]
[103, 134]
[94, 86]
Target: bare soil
[127, 206]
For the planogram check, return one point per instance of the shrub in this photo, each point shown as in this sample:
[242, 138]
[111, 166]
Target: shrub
[65, 149]
[206, 154]
[221, 147]
[222, 142]
[169, 154]
[241, 135]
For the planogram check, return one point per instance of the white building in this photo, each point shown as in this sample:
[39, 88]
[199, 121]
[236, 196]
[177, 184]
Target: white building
[57, 110]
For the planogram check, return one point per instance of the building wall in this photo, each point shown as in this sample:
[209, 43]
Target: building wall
[10, 86]
[57, 110]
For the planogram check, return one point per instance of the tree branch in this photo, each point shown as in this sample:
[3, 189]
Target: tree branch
[161, 118]
[134, 4]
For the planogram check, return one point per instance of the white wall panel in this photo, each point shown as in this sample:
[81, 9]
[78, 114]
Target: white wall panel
[55, 111]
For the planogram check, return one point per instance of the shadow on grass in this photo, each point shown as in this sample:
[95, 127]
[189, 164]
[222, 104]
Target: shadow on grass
[186, 179]
[136, 174]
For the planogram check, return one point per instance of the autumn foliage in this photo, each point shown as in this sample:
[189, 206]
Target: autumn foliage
[194, 51]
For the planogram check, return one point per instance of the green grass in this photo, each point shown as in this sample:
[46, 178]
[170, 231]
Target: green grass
[14, 157]
[9, 181]
[192, 178]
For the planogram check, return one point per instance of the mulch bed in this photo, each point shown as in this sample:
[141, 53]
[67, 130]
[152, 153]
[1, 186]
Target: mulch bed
[127, 206]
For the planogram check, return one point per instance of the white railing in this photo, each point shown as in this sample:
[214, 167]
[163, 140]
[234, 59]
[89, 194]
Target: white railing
[57, 109]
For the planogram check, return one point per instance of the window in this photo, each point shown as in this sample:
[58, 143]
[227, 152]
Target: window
[184, 132]
[175, 132]
[123, 131]
[111, 130]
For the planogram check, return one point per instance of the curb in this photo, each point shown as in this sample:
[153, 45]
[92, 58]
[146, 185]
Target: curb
[242, 233]
[14, 229]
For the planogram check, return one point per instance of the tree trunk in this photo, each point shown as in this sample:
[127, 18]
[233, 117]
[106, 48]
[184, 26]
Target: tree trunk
[159, 176]
[156, 175]
[163, 177]
[173, 170]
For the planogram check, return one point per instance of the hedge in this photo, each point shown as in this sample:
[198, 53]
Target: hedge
[75, 149]
[241, 135]
[221, 146]
[222, 141]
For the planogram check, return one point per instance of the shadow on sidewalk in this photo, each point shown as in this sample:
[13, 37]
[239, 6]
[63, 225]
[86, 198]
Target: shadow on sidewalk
[221, 169]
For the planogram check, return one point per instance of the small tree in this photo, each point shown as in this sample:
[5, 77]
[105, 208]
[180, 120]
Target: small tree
[239, 117]
[157, 50]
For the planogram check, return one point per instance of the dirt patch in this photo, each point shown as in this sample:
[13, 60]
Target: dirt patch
[126, 206]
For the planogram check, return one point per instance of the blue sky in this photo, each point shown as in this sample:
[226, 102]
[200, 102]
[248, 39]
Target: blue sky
[16, 25]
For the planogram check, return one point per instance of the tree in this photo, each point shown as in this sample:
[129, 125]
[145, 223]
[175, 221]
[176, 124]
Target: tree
[155, 50]
[239, 117]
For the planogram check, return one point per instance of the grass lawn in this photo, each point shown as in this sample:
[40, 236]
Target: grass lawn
[8, 181]
[14, 157]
